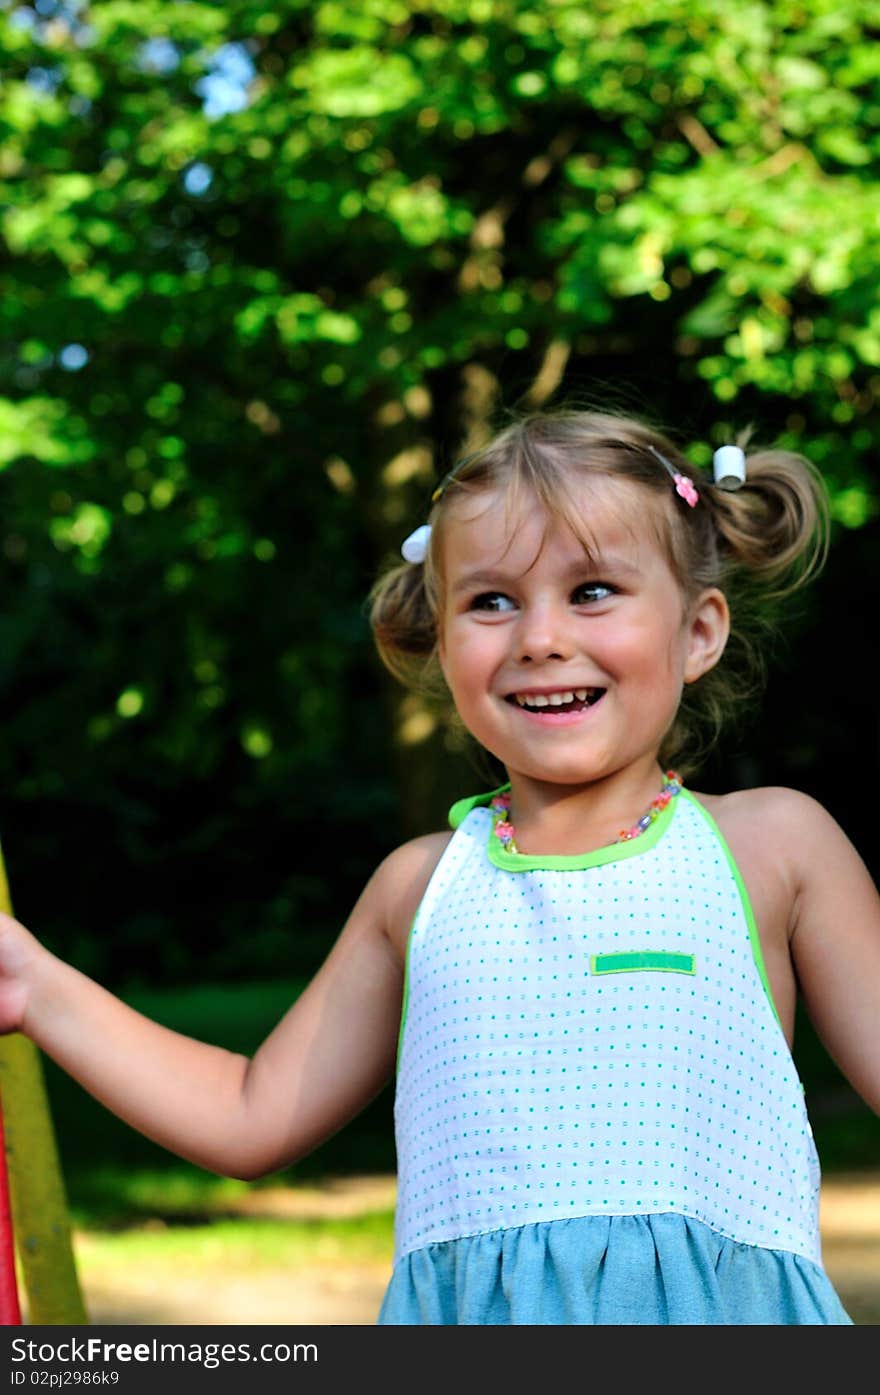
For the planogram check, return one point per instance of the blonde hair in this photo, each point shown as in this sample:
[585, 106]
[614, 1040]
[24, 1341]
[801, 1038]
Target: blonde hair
[758, 545]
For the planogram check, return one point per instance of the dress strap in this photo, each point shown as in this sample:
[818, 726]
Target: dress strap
[462, 807]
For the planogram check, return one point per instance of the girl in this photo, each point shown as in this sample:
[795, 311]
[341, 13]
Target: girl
[589, 985]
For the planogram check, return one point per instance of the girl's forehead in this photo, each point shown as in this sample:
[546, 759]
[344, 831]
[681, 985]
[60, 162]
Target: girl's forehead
[604, 516]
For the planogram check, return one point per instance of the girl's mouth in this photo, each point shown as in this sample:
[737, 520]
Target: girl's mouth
[556, 709]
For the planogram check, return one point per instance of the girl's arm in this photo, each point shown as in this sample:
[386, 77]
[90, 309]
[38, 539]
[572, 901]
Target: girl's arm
[835, 943]
[326, 1059]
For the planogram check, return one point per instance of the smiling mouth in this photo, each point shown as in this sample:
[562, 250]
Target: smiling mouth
[567, 700]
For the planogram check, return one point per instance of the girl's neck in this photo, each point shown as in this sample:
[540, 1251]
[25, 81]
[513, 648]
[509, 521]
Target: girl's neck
[566, 820]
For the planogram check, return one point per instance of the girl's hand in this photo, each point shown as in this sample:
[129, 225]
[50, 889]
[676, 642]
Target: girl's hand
[19, 955]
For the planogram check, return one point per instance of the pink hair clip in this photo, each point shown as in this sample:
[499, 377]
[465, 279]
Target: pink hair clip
[684, 486]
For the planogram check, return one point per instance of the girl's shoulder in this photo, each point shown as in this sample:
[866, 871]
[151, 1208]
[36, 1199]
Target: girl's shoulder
[766, 812]
[774, 834]
[804, 872]
[405, 874]
[765, 802]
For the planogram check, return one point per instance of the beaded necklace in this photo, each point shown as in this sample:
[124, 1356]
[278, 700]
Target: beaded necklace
[504, 830]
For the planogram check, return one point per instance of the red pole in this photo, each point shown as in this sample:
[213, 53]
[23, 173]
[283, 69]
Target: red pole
[10, 1312]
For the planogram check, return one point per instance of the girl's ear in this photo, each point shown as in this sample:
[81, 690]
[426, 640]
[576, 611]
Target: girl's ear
[708, 630]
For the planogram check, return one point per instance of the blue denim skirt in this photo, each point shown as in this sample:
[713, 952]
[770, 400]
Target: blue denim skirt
[655, 1270]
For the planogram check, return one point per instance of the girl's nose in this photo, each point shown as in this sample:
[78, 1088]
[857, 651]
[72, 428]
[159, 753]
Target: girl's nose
[543, 633]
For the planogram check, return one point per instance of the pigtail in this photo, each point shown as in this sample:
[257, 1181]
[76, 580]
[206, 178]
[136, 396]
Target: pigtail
[774, 532]
[403, 622]
[769, 539]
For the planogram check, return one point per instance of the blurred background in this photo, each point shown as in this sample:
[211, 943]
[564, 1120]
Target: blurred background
[264, 275]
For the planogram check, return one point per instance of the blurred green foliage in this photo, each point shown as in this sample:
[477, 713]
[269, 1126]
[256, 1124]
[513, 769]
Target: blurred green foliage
[263, 273]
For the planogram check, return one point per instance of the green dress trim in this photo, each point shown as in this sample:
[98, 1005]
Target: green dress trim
[405, 1004]
[754, 937]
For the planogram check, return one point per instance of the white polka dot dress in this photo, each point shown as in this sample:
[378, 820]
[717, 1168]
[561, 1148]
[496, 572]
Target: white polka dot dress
[590, 1061]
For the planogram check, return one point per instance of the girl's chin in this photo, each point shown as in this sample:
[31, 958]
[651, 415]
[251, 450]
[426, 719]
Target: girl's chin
[565, 768]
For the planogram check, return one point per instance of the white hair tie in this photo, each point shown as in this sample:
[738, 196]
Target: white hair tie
[729, 467]
[415, 547]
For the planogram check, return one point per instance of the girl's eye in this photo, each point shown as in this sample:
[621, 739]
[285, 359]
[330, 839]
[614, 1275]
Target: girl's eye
[594, 587]
[493, 601]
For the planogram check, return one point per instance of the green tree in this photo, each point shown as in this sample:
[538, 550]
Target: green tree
[263, 274]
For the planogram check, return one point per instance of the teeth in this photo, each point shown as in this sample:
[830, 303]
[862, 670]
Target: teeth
[553, 699]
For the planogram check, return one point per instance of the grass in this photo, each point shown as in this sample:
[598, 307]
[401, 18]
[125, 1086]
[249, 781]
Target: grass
[111, 1197]
[242, 1270]
[251, 1243]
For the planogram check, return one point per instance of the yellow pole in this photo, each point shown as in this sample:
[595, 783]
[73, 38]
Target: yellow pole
[36, 1187]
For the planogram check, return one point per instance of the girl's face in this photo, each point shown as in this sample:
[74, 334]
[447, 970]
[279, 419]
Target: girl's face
[569, 671]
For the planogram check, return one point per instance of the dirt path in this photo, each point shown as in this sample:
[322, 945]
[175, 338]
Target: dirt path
[330, 1291]
[850, 1220]
[326, 1291]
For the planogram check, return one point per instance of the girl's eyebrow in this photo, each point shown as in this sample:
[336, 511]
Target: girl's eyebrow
[472, 580]
[606, 562]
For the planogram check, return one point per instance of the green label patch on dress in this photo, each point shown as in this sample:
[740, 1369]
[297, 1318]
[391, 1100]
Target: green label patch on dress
[642, 959]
